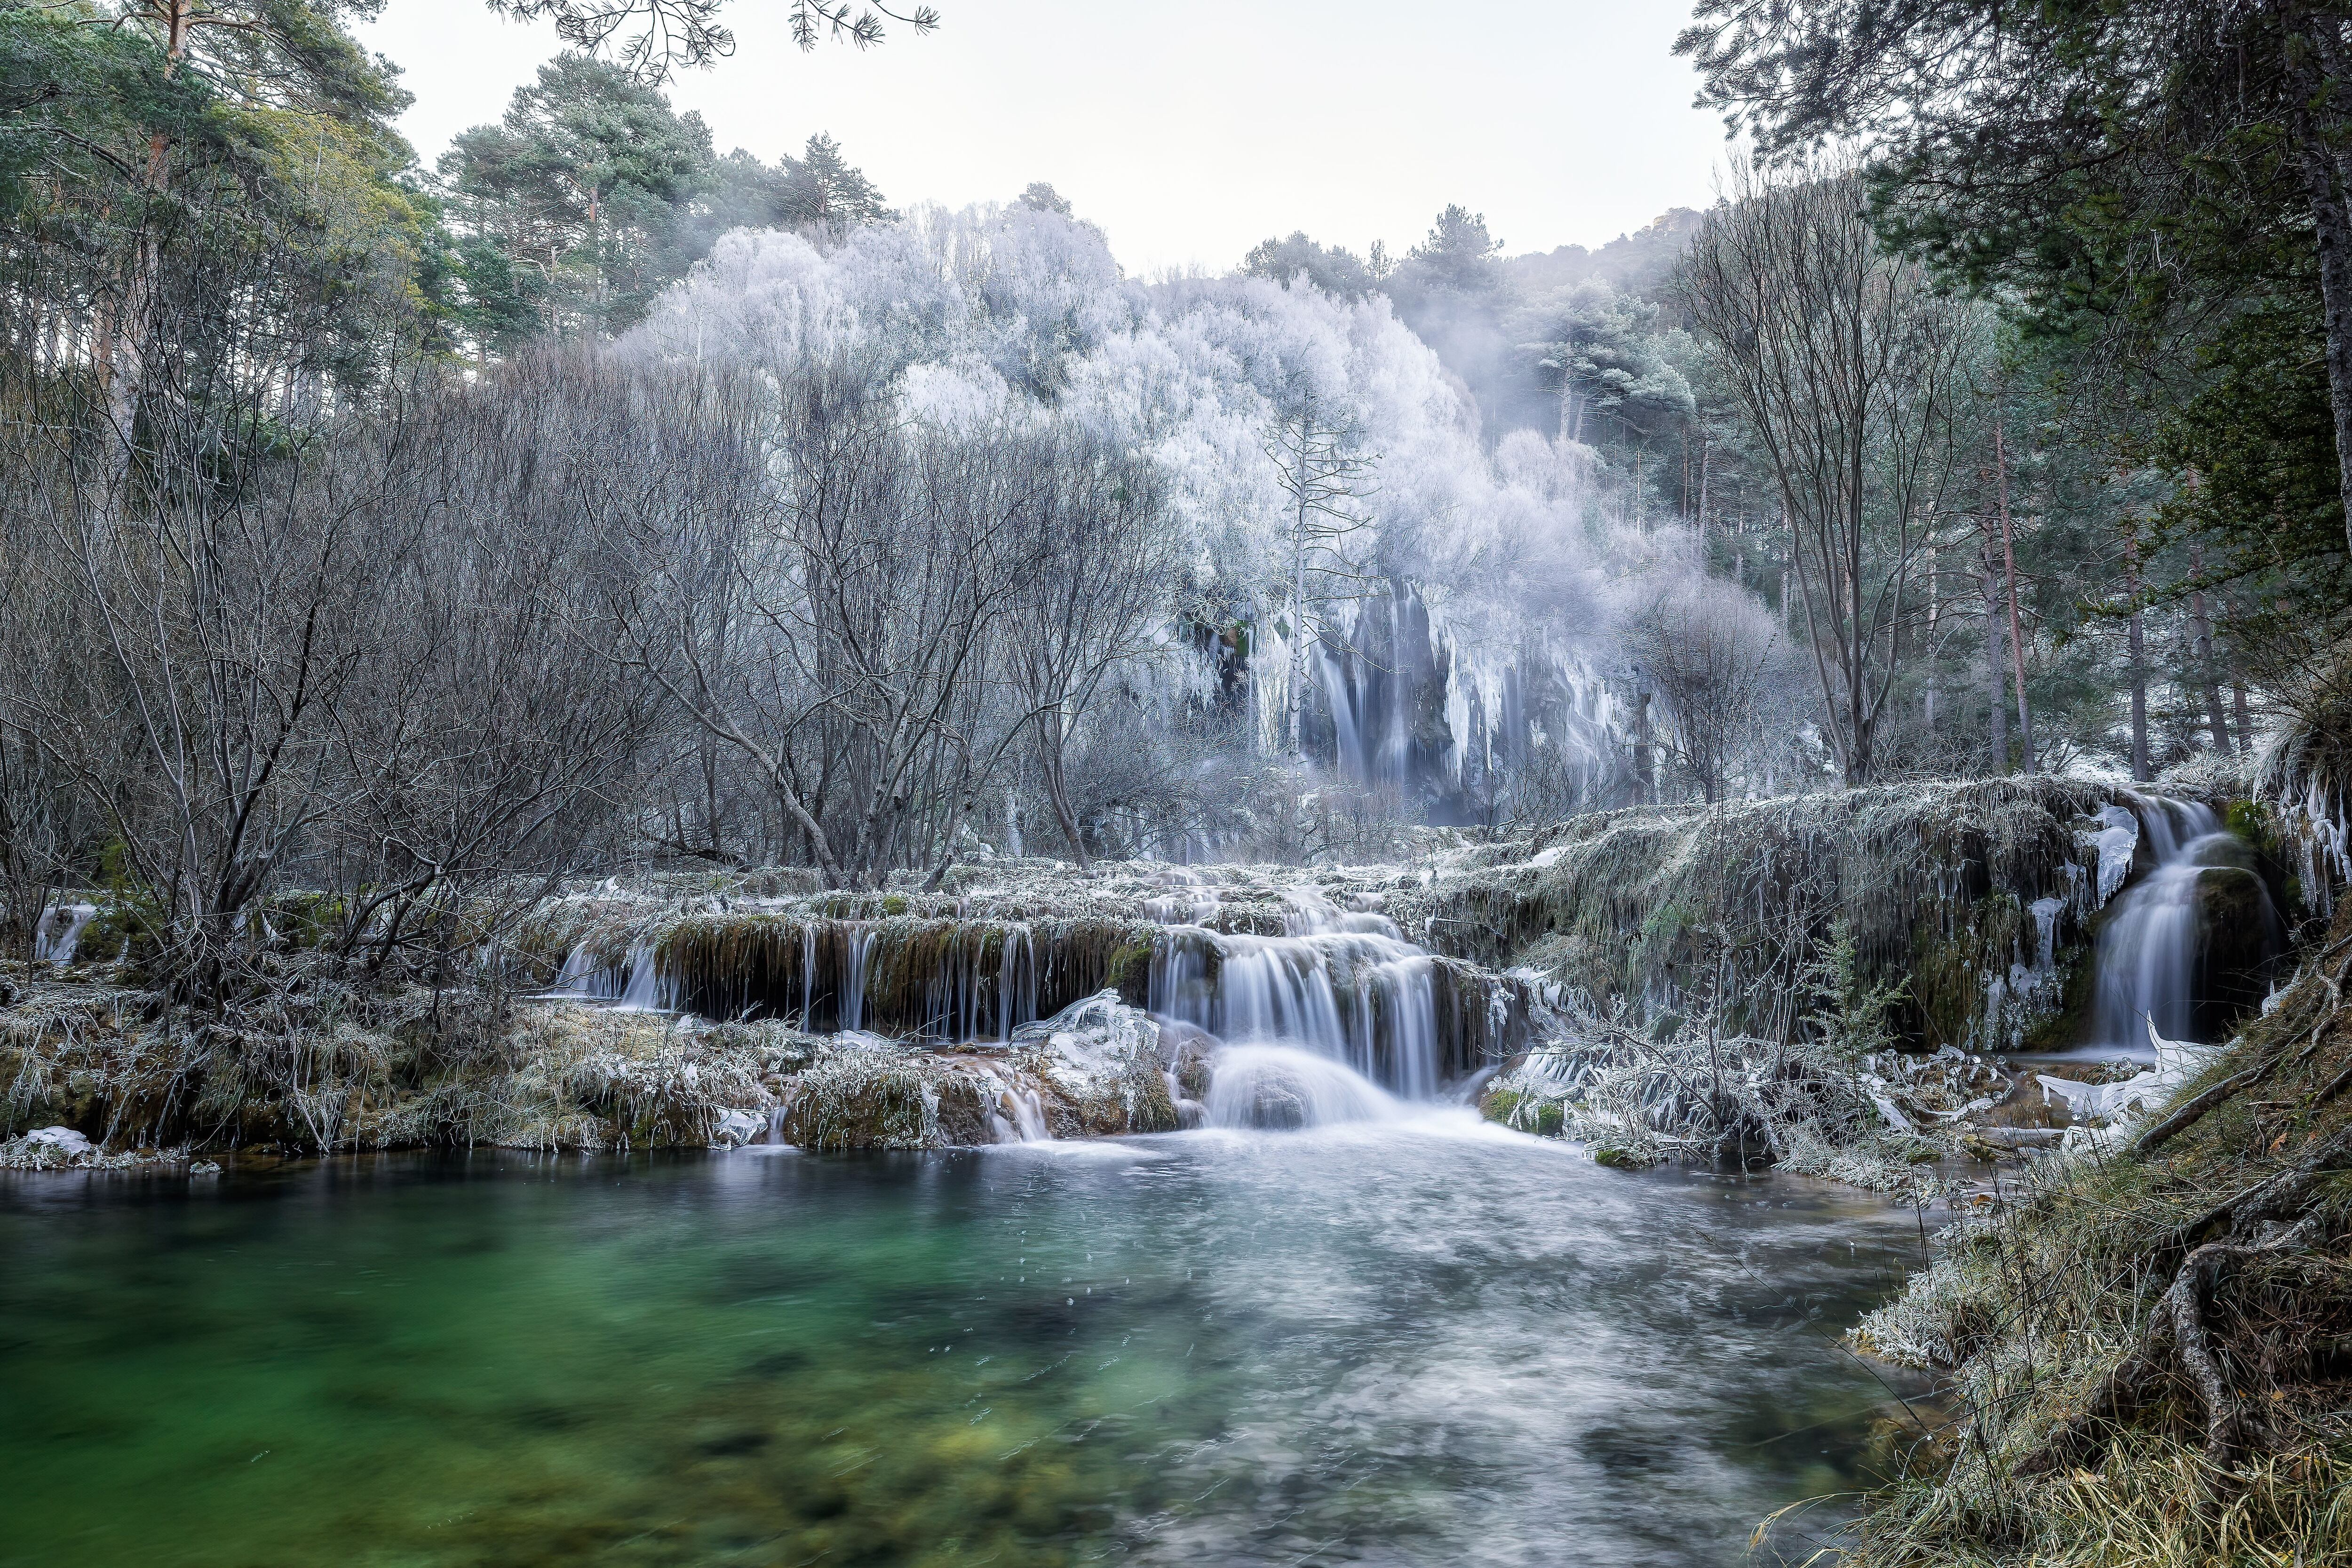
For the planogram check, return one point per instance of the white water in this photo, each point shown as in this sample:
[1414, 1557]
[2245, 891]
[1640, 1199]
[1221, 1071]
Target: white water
[1268, 1086]
[2146, 956]
[1334, 1021]
[58, 931]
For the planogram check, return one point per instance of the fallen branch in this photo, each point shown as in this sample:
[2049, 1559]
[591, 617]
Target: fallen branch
[2178, 1325]
[2190, 1112]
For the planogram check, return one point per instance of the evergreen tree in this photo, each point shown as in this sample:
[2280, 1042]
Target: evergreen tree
[580, 188]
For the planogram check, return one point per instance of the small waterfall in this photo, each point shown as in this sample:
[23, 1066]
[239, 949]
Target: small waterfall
[1283, 1087]
[1017, 1114]
[1339, 990]
[58, 931]
[2152, 959]
[647, 990]
[860, 943]
[583, 978]
[808, 977]
[1016, 981]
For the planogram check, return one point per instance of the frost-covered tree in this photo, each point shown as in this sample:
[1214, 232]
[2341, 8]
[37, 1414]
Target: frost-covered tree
[1326, 481]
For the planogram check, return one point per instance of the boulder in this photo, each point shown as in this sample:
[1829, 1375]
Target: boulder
[2238, 936]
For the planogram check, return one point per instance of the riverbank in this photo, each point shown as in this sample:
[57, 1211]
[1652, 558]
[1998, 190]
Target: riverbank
[2150, 1346]
[1792, 944]
[1724, 990]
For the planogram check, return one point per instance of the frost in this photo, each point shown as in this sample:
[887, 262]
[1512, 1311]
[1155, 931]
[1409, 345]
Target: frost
[2115, 844]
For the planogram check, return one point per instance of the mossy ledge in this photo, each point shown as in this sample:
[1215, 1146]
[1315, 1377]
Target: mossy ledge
[1935, 885]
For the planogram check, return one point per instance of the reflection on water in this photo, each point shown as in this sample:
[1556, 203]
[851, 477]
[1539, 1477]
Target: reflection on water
[1404, 1343]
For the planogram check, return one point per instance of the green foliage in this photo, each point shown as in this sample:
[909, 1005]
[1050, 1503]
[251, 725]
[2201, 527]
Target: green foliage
[1335, 270]
[592, 195]
[2127, 180]
[1603, 353]
[1849, 1012]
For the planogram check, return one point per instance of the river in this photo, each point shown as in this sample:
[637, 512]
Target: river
[1424, 1341]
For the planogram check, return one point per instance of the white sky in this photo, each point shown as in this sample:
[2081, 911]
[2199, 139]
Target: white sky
[1188, 132]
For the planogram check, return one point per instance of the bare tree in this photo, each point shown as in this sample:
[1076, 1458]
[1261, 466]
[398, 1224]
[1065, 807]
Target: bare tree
[324, 665]
[1847, 366]
[828, 588]
[1707, 649]
[1103, 553]
[1326, 478]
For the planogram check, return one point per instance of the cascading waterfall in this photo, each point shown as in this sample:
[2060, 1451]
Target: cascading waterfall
[58, 931]
[1334, 1020]
[1338, 1018]
[2152, 954]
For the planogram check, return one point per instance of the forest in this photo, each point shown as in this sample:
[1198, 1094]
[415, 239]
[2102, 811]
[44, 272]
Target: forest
[598, 644]
[376, 527]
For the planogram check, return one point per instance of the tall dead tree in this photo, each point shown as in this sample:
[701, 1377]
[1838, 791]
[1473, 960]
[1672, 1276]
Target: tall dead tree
[1847, 365]
[1325, 478]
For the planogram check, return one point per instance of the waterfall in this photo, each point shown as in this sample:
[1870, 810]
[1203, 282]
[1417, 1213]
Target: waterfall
[860, 943]
[808, 976]
[58, 931]
[647, 991]
[1268, 1086]
[1017, 1114]
[1342, 991]
[581, 978]
[1016, 981]
[2153, 964]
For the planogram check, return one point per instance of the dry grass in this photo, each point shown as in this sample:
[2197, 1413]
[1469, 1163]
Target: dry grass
[2152, 1350]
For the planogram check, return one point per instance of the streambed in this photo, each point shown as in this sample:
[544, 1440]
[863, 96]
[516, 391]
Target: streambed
[1415, 1342]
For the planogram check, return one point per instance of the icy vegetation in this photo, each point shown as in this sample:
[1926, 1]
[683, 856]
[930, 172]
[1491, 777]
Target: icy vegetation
[1746, 983]
[1455, 610]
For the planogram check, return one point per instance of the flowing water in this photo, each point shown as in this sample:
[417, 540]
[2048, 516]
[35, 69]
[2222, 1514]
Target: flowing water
[1417, 1340]
[1316, 1024]
[2147, 959]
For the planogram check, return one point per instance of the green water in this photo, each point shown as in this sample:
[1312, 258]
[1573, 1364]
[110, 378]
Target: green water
[1403, 1345]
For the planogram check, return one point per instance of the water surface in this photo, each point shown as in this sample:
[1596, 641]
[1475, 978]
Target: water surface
[1428, 1342]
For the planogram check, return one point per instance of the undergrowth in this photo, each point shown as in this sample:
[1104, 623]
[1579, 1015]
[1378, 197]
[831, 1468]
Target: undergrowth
[2150, 1347]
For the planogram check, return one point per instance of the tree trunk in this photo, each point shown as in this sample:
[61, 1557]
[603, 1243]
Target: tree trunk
[1057, 786]
[1935, 614]
[2138, 662]
[1702, 499]
[2245, 717]
[1996, 660]
[2008, 566]
[1644, 767]
[2323, 177]
[2208, 686]
[1298, 640]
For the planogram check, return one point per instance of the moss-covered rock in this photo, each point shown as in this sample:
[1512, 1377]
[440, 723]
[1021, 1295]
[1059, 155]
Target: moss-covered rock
[1936, 884]
[862, 1097]
[2239, 936]
[1130, 973]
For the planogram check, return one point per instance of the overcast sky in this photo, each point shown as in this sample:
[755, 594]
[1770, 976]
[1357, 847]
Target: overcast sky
[1188, 132]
